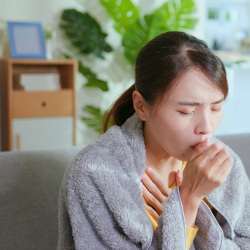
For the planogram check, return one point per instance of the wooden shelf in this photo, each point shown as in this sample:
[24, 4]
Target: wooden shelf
[38, 61]
[17, 103]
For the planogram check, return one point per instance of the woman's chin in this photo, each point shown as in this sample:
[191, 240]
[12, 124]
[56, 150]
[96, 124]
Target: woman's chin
[185, 156]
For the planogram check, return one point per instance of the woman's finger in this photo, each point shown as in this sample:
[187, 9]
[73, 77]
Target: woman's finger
[152, 212]
[178, 177]
[152, 188]
[163, 188]
[225, 169]
[152, 201]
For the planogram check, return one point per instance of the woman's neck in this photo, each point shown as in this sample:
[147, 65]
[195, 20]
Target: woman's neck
[160, 161]
[163, 166]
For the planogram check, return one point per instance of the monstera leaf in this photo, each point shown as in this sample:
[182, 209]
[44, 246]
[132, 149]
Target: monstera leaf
[138, 35]
[93, 81]
[94, 119]
[84, 33]
[123, 12]
[171, 16]
[174, 15]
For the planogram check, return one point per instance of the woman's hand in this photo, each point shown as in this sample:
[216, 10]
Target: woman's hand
[155, 192]
[206, 170]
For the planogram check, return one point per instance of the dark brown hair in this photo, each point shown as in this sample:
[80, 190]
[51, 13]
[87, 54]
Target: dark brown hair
[159, 64]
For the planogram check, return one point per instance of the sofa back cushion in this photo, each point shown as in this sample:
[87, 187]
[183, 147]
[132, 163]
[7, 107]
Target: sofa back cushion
[29, 189]
[240, 143]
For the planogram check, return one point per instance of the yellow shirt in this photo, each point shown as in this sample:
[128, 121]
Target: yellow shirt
[191, 232]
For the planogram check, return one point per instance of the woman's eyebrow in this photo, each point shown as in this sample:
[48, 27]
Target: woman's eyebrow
[198, 103]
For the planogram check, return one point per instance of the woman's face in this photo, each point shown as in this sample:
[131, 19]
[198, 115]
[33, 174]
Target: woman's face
[188, 115]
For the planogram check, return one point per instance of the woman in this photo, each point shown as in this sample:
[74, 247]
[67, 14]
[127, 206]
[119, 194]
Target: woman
[164, 122]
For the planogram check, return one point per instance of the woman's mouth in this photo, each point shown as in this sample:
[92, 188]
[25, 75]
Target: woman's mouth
[193, 147]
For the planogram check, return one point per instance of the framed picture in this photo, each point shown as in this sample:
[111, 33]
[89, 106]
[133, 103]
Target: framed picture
[26, 40]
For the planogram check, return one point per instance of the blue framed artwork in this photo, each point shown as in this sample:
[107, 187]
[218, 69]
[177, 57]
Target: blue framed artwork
[26, 40]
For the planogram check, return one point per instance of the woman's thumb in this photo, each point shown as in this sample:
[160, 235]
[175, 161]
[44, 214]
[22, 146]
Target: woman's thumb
[200, 148]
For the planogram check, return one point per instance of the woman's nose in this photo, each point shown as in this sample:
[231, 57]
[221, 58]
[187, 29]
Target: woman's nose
[203, 127]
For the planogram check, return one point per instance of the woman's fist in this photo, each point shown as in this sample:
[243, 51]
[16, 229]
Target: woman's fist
[206, 170]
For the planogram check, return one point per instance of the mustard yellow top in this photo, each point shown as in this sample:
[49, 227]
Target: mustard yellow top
[191, 232]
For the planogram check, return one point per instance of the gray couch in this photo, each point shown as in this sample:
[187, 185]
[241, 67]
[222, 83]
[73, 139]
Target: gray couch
[29, 188]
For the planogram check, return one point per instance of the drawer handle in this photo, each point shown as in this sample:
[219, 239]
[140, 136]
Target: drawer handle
[43, 104]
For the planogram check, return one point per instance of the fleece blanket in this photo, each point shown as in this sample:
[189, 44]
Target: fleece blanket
[101, 204]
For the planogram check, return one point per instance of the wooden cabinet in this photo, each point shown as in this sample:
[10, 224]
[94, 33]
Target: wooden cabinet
[42, 133]
[25, 111]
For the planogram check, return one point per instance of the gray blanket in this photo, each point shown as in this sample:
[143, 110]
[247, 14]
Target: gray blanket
[101, 205]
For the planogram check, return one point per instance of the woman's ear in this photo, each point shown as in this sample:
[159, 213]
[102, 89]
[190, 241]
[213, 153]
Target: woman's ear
[140, 106]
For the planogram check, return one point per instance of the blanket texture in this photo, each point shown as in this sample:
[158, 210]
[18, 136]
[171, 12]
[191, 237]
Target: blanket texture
[101, 204]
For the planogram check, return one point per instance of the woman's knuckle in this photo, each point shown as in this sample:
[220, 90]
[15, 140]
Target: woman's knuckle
[206, 174]
[217, 160]
[217, 146]
[230, 159]
[150, 210]
[160, 184]
[203, 162]
[225, 152]
[213, 179]
[198, 163]
[152, 199]
[160, 210]
[154, 190]
[165, 193]
[218, 182]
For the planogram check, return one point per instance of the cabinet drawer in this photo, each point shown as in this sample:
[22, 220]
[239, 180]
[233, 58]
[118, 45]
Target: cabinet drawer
[42, 104]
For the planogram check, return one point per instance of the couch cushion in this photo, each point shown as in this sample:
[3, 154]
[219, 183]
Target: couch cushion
[240, 143]
[29, 189]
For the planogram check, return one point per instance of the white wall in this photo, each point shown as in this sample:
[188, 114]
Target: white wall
[117, 74]
[227, 32]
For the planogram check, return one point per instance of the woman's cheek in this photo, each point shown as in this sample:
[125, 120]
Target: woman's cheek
[184, 122]
[217, 120]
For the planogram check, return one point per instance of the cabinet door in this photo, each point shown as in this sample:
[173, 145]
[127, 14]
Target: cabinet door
[42, 133]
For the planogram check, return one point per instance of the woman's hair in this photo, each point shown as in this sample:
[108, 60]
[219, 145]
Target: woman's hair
[159, 64]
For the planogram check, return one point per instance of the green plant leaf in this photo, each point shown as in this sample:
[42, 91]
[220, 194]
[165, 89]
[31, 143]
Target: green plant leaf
[94, 117]
[134, 39]
[241, 61]
[93, 81]
[176, 15]
[84, 33]
[138, 35]
[123, 12]
[170, 16]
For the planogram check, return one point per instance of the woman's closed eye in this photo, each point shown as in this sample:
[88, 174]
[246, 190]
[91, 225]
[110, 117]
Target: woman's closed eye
[186, 113]
[216, 110]
[190, 113]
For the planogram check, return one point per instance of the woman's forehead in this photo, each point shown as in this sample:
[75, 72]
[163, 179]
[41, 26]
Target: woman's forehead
[194, 86]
